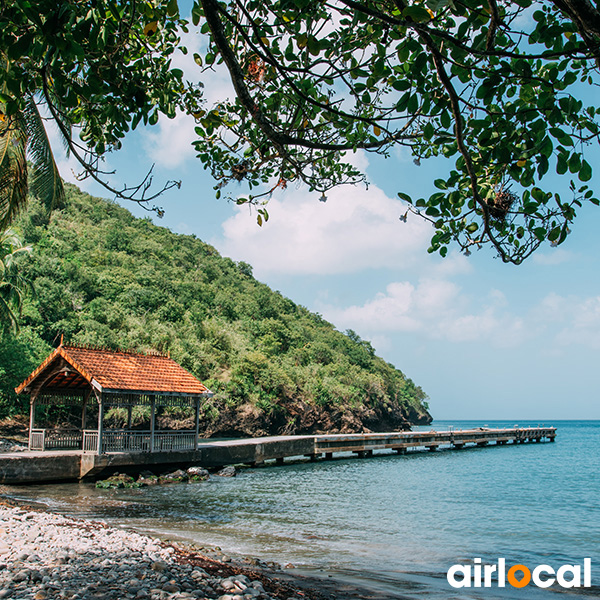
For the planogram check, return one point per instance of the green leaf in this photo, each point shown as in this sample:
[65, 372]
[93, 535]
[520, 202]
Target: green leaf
[585, 173]
[561, 164]
[554, 234]
[196, 14]
[436, 5]
[417, 13]
[574, 163]
[314, 45]
[530, 208]
[172, 8]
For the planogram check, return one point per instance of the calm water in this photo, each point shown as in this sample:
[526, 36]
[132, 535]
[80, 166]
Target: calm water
[394, 522]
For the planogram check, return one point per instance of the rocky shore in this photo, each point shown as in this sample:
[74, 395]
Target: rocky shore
[46, 556]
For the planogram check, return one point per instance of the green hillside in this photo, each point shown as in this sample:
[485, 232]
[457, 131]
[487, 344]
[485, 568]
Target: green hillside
[105, 278]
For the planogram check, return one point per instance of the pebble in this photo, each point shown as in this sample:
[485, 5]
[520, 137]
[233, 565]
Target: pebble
[53, 557]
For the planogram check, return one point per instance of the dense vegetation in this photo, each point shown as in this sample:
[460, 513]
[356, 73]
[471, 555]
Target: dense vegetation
[105, 278]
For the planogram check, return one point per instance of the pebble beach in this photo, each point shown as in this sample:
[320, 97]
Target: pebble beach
[47, 556]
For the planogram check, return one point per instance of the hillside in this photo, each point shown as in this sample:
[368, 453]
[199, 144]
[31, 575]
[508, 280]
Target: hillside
[105, 278]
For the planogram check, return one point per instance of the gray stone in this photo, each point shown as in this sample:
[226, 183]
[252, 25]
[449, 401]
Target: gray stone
[198, 474]
[159, 566]
[227, 472]
[21, 576]
[227, 584]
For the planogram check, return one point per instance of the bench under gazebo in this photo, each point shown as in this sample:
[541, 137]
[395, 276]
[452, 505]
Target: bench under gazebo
[92, 381]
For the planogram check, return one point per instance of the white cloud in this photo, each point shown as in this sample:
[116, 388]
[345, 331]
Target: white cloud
[359, 159]
[454, 264]
[355, 229]
[552, 258]
[437, 309]
[169, 143]
[575, 320]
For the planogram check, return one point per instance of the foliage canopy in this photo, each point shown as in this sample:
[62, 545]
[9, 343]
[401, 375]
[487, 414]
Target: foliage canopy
[495, 87]
[97, 69]
[498, 88]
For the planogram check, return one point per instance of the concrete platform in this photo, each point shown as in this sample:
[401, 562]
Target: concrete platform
[55, 466]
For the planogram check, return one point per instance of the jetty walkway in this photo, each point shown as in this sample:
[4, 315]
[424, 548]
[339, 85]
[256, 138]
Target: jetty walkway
[68, 465]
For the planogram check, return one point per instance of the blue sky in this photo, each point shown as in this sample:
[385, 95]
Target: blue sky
[485, 340]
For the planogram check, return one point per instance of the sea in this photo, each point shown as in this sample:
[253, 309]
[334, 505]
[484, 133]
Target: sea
[392, 524]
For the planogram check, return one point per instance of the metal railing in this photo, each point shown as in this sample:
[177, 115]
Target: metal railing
[55, 439]
[121, 440]
[166, 441]
[141, 441]
[125, 441]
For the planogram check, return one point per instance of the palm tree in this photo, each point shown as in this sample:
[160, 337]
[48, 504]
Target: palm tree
[12, 283]
[22, 137]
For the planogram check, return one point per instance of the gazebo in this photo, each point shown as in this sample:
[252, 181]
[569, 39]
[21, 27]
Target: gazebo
[94, 380]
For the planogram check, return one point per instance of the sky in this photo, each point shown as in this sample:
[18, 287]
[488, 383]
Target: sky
[485, 340]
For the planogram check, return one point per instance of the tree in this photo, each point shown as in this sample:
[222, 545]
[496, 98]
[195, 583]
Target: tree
[496, 87]
[22, 136]
[12, 283]
[96, 69]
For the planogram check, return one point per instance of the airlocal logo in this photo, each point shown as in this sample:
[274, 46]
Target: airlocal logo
[519, 576]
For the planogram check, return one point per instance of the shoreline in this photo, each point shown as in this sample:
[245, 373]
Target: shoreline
[45, 556]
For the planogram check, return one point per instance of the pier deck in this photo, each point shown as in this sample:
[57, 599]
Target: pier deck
[38, 467]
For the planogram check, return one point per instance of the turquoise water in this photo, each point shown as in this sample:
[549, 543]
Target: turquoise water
[395, 522]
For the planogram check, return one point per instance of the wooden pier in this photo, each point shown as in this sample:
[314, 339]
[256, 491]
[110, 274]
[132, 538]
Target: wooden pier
[68, 465]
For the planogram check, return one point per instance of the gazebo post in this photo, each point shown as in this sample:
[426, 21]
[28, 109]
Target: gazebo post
[31, 417]
[100, 422]
[197, 422]
[152, 419]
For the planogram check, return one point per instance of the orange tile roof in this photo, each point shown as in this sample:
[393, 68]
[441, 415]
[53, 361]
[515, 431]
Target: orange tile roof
[119, 370]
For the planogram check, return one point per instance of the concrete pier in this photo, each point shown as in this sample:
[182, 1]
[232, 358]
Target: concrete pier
[55, 466]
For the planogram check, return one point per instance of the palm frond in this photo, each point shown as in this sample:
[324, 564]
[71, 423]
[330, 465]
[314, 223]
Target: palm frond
[63, 121]
[45, 181]
[13, 169]
[12, 283]
[8, 319]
